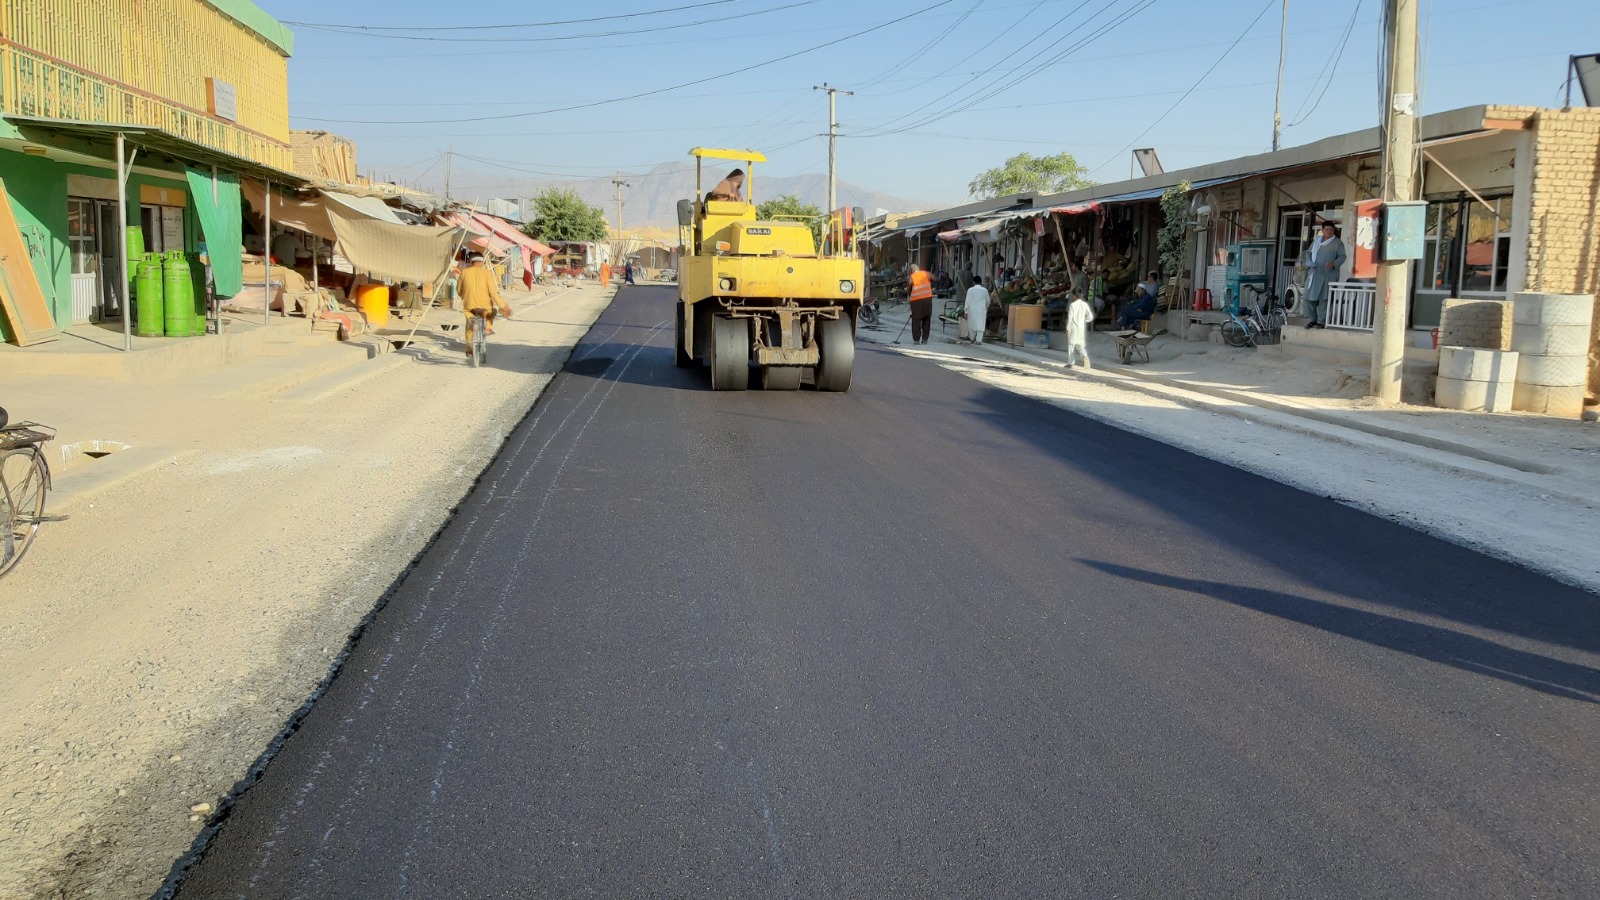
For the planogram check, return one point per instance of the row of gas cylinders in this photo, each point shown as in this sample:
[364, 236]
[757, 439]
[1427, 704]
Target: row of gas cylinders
[169, 292]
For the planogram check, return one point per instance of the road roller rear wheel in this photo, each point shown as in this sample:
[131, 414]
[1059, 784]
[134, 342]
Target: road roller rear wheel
[684, 359]
[730, 354]
[836, 344]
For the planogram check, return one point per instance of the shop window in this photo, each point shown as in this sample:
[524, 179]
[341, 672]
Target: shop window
[163, 227]
[80, 236]
[1467, 247]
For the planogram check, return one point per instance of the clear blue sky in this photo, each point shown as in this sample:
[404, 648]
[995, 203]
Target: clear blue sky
[940, 95]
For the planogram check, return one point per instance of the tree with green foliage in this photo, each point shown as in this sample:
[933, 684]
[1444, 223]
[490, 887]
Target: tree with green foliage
[1172, 241]
[559, 214]
[789, 205]
[1026, 172]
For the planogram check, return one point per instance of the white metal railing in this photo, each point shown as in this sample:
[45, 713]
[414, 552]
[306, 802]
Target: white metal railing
[1349, 305]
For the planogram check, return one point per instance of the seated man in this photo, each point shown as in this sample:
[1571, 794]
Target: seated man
[1142, 306]
[729, 188]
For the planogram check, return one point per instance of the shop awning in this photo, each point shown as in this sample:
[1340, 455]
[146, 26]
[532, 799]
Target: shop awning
[365, 230]
[371, 207]
[480, 237]
[97, 139]
[512, 233]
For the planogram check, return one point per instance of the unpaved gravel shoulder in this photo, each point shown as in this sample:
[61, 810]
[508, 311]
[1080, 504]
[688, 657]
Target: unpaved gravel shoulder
[157, 641]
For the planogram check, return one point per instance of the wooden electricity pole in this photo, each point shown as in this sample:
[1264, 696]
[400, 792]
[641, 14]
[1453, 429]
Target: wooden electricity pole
[1399, 185]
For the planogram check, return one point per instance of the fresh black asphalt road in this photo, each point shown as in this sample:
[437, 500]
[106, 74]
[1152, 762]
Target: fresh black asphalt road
[923, 639]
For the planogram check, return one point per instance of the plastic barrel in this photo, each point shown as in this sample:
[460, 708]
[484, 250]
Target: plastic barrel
[179, 290]
[373, 301]
[148, 297]
[197, 275]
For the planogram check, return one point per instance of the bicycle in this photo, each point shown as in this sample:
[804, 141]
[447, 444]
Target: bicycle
[1243, 325]
[478, 338]
[24, 482]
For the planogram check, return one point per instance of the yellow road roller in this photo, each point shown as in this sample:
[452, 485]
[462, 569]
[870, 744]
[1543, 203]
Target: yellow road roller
[754, 292]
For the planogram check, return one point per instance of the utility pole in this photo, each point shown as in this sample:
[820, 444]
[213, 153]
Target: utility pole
[1399, 185]
[449, 157]
[620, 184]
[833, 141]
[1277, 106]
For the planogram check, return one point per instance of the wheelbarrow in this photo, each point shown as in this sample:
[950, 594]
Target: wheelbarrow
[1131, 344]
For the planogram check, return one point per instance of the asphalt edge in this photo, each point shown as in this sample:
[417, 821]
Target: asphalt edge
[202, 841]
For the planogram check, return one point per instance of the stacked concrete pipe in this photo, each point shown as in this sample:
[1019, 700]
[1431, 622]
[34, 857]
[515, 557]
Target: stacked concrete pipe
[1476, 380]
[1550, 333]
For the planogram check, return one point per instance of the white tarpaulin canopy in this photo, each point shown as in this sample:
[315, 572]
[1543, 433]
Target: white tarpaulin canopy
[366, 232]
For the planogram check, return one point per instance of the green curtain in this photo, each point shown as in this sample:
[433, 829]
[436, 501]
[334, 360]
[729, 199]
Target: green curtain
[222, 221]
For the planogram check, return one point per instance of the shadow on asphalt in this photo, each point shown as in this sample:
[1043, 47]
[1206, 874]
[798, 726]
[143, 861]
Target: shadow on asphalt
[1314, 540]
[1439, 645]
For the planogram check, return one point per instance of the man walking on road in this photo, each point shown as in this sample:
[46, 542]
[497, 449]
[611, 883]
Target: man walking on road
[921, 296]
[1079, 315]
[1323, 261]
[480, 292]
[977, 309]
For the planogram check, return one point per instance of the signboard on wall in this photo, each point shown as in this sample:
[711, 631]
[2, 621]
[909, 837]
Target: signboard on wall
[222, 99]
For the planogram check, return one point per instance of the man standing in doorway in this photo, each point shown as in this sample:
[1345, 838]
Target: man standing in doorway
[1323, 260]
[921, 297]
[977, 301]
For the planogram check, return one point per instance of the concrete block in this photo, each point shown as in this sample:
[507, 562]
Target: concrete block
[1554, 371]
[1566, 402]
[1551, 340]
[1474, 364]
[1552, 309]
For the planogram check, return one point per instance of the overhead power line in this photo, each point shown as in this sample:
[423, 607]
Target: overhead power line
[554, 24]
[1192, 88]
[363, 32]
[651, 93]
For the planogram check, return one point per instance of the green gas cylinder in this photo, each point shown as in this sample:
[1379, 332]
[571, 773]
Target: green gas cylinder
[179, 289]
[148, 299]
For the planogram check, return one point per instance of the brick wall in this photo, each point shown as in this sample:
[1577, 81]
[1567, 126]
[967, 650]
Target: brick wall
[1564, 228]
[1484, 324]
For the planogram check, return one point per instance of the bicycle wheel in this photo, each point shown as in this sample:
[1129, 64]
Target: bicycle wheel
[1235, 333]
[475, 337]
[22, 478]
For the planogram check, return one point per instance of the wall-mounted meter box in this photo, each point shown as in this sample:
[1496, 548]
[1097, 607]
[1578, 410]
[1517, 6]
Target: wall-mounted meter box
[1404, 225]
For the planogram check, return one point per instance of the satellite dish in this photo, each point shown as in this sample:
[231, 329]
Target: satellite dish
[1585, 70]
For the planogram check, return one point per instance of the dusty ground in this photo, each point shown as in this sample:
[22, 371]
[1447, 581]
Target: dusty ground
[158, 640]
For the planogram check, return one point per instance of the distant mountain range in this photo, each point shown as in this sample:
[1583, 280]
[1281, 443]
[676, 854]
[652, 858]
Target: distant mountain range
[652, 197]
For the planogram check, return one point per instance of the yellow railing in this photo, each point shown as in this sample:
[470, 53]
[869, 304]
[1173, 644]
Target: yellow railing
[145, 62]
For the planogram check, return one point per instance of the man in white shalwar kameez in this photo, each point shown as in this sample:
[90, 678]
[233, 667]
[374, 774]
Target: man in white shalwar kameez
[977, 309]
[1079, 315]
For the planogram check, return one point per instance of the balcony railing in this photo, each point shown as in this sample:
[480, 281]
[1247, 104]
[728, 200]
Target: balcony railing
[31, 85]
[1350, 305]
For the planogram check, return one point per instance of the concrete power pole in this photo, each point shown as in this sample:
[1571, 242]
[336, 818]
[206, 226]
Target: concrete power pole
[833, 142]
[1399, 185]
[449, 157]
[620, 184]
[1277, 105]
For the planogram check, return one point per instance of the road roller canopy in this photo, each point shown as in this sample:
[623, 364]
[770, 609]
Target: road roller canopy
[735, 155]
